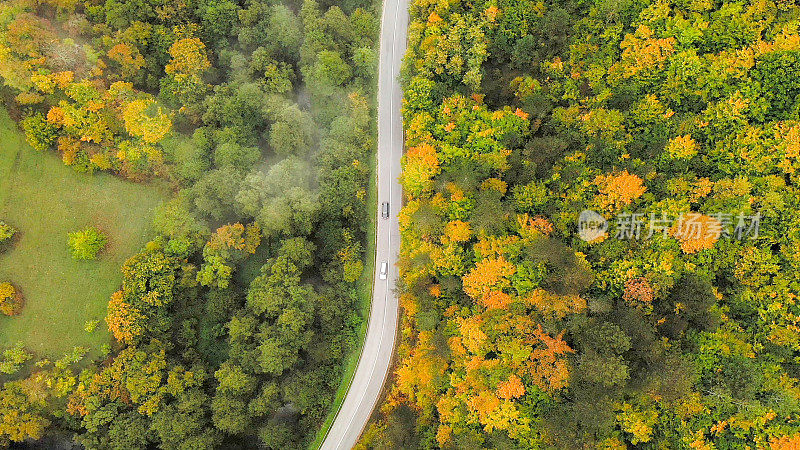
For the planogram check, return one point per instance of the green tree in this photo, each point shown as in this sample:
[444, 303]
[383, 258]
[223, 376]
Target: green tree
[365, 63]
[331, 69]
[777, 74]
[219, 21]
[276, 435]
[186, 423]
[128, 431]
[230, 414]
[292, 133]
[283, 32]
[234, 380]
[175, 220]
[87, 243]
[231, 154]
[212, 194]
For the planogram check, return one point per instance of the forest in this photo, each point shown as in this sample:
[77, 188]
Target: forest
[231, 324]
[600, 241]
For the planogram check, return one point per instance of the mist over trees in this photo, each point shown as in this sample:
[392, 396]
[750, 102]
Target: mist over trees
[231, 325]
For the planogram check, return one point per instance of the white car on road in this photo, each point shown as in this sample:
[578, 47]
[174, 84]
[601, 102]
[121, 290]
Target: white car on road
[384, 270]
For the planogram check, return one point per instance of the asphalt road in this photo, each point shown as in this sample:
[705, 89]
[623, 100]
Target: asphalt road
[373, 366]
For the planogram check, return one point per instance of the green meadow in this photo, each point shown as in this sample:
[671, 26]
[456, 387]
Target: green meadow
[45, 200]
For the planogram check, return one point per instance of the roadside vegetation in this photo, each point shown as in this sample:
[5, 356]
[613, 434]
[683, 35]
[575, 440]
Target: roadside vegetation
[669, 130]
[230, 326]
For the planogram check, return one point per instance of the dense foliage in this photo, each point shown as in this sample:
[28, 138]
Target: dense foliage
[232, 324]
[518, 333]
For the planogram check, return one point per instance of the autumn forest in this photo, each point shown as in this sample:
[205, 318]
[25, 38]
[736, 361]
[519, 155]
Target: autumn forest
[600, 231]
[673, 323]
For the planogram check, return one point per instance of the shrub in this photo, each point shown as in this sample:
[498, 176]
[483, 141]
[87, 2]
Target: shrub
[13, 358]
[39, 133]
[6, 232]
[10, 299]
[90, 325]
[86, 244]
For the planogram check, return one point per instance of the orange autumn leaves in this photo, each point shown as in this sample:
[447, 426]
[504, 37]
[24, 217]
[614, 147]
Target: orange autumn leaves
[696, 232]
[237, 237]
[489, 278]
[785, 442]
[511, 388]
[497, 355]
[124, 320]
[496, 300]
[555, 305]
[475, 363]
[457, 231]
[489, 274]
[414, 378]
[486, 390]
[618, 190]
[638, 292]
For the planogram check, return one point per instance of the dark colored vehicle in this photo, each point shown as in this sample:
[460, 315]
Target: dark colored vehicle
[385, 210]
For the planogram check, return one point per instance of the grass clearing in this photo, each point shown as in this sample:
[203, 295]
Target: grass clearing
[44, 200]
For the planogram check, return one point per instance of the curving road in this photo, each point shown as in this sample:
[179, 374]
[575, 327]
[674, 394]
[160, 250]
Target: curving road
[373, 365]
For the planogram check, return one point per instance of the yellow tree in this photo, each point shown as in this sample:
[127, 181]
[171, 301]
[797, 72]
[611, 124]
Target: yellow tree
[21, 415]
[187, 66]
[129, 59]
[188, 58]
[10, 300]
[681, 147]
[145, 120]
[457, 231]
[421, 165]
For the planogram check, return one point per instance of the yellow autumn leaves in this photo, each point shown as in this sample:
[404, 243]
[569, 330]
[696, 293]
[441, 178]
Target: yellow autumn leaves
[421, 165]
[681, 147]
[143, 119]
